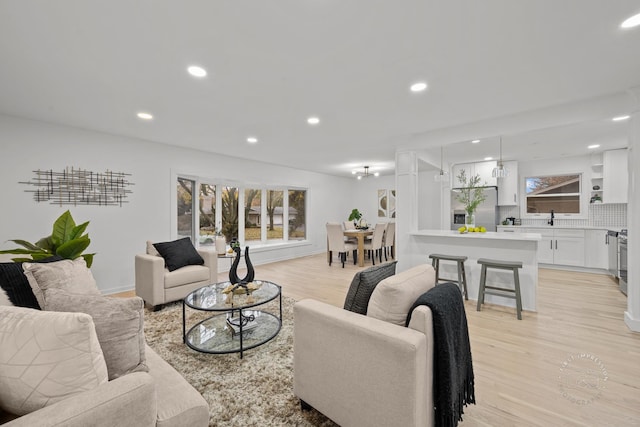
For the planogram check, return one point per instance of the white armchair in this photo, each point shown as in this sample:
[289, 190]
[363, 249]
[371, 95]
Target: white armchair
[156, 285]
[361, 371]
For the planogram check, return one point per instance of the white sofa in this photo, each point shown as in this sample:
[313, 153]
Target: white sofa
[160, 397]
[359, 370]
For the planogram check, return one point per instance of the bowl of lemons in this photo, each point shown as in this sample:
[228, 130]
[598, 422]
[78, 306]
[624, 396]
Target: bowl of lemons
[464, 229]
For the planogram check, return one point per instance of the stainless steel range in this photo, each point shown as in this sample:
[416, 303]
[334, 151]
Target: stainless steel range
[622, 263]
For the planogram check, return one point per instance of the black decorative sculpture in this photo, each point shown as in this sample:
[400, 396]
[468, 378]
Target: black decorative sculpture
[233, 273]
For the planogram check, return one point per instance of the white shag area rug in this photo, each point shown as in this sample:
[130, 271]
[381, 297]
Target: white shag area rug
[254, 391]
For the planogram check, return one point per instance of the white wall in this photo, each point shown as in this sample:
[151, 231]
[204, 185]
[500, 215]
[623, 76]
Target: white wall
[430, 201]
[365, 197]
[117, 234]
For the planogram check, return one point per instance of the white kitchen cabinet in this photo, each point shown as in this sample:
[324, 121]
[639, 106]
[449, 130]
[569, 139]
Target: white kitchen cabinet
[484, 169]
[455, 171]
[596, 251]
[560, 246]
[615, 176]
[568, 248]
[508, 186]
[545, 246]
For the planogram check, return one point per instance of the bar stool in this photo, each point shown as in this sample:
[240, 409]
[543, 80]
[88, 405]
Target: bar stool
[462, 276]
[502, 292]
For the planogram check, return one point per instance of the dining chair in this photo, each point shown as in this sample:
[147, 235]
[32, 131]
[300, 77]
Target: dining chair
[389, 240]
[348, 225]
[336, 243]
[374, 246]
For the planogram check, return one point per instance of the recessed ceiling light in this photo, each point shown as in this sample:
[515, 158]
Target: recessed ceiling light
[634, 21]
[196, 71]
[376, 174]
[475, 141]
[619, 118]
[359, 176]
[592, 146]
[313, 120]
[488, 158]
[418, 87]
[145, 116]
[252, 140]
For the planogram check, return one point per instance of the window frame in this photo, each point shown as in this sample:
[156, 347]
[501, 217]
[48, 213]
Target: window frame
[581, 199]
[264, 243]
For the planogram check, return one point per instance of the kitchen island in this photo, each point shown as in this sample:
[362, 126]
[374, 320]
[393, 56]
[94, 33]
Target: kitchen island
[521, 247]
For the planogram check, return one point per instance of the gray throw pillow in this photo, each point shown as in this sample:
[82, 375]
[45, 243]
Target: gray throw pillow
[363, 284]
[119, 325]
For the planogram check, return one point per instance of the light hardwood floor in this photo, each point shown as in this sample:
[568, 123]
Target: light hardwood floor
[573, 363]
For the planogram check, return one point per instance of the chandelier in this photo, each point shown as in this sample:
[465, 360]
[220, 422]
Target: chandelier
[365, 174]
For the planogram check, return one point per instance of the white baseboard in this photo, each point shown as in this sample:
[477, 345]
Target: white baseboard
[633, 324]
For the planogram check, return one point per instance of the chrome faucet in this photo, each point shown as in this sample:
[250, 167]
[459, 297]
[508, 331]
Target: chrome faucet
[550, 222]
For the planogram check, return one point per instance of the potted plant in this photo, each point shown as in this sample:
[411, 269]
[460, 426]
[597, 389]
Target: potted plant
[355, 216]
[470, 195]
[66, 240]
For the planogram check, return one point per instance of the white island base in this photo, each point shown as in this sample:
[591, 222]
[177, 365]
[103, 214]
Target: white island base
[521, 247]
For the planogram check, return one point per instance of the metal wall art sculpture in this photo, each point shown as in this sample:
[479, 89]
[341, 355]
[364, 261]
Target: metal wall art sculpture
[80, 187]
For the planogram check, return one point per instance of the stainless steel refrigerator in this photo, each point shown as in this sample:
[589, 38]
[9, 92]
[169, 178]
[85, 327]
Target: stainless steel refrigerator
[486, 214]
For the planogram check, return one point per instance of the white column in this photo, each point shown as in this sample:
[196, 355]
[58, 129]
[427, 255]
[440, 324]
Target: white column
[406, 205]
[632, 315]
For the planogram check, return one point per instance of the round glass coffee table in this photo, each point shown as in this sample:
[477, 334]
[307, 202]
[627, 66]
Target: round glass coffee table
[234, 327]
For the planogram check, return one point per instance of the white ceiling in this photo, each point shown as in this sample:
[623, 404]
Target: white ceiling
[95, 64]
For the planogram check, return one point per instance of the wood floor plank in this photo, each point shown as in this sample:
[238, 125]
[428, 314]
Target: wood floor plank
[519, 363]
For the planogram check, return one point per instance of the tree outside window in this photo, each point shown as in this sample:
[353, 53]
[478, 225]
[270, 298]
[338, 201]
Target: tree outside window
[297, 214]
[229, 213]
[252, 214]
[207, 218]
[275, 214]
[185, 208]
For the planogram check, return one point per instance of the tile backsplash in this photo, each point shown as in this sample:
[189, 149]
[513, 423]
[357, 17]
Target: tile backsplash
[600, 215]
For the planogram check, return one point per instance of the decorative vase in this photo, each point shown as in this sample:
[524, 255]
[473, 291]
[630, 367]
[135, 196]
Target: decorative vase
[233, 273]
[221, 245]
[469, 220]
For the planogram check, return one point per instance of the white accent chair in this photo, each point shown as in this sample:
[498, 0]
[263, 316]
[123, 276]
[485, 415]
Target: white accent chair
[156, 285]
[336, 243]
[359, 370]
[374, 246]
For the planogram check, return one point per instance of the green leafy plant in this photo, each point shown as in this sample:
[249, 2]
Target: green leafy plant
[66, 240]
[471, 194]
[355, 215]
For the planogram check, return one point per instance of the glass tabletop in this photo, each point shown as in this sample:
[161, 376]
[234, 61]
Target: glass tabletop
[211, 297]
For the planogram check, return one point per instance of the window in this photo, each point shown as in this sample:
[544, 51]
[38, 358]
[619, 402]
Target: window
[254, 215]
[186, 207]
[297, 214]
[230, 213]
[560, 193]
[207, 217]
[275, 215]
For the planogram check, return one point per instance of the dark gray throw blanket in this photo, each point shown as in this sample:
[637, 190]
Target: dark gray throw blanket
[453, 381]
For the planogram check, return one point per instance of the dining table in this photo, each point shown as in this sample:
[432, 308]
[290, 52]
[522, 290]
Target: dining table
[360, 234]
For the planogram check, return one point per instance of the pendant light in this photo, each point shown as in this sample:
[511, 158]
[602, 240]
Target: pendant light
[500, 171]
[441, 176]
